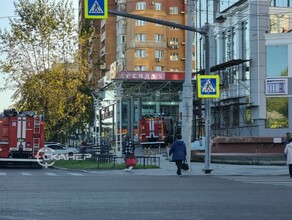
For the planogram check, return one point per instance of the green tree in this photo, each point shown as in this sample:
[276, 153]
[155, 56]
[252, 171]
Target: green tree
[43, 62]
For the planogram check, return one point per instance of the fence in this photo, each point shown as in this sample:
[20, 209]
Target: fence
[112, 159]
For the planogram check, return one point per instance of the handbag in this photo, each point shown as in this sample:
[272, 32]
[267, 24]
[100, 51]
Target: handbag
[131, 161]
[185, 165]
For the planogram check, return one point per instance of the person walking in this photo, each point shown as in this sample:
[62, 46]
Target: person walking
[178, 151]
[288, 152]
[128, 150]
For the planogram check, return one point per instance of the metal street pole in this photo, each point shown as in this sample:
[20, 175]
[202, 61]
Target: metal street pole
[96, 119]
[187, 95]
[207, 106]
[118, 99]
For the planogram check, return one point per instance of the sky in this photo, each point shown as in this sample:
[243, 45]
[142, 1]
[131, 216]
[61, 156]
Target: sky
[6, 10]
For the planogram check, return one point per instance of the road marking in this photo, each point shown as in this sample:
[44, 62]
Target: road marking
[267, 180]
[76, 174]
[51, 174]
[26, 174]
[2, 174]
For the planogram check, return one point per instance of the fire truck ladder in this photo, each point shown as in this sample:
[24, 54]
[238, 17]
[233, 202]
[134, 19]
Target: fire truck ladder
[36, 133]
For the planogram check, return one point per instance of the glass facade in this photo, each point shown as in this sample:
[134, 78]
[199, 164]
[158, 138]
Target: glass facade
[277, 60]
[224, 4]
[280, 23]
[281, 3]
[277, 112]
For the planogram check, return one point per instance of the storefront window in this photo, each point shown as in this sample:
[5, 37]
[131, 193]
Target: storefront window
[277, 112]
[277, 61]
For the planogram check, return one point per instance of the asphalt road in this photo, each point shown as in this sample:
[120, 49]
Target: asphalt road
[27, 194]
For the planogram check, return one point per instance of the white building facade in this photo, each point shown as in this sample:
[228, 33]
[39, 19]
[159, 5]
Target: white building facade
[251, 50]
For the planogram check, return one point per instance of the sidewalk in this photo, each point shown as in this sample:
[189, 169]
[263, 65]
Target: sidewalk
[196, 168]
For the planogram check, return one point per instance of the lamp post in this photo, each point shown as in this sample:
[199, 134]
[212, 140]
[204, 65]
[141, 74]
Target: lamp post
[118, 101]
[96, 118]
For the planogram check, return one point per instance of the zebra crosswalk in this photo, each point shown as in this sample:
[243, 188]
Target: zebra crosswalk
[269, 180]
[43, 173]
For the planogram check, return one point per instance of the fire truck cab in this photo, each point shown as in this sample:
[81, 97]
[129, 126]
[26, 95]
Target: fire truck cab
[153, 130]
[21, 136]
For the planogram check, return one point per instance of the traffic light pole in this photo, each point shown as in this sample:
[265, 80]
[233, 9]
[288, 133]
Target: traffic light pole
[187, 113]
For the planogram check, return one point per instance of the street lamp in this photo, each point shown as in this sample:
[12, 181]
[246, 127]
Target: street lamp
[97, 106]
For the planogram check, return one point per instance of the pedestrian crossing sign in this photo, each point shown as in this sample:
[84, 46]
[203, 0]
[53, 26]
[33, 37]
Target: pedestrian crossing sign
[96, 9]
[208, 86]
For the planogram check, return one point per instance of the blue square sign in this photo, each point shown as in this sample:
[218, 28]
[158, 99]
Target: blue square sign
[96, 9]
[208, 86]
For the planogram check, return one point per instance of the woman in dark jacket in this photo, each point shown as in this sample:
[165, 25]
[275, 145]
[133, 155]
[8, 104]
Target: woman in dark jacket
[179, 152]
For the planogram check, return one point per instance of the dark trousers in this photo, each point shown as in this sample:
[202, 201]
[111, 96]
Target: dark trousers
[290, 170]
[178, 165]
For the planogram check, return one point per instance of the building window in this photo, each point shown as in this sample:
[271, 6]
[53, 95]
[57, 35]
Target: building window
[224, 50]
[245, 50]
[174, 70]
[173, 41]
[159, 53]
[158, 37]
[224, 4]
[140, 5]
[140, 37]
[158, 6]
[280, 23]
[158, 68]
[122, 39]
[140, 23]
[277, 61]
[140, 68]
[277, 112]
[173, 56]
[281, 3]
[140, 53]
[173, 10]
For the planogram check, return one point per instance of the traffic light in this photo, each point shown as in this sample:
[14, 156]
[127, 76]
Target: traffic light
[197, 107]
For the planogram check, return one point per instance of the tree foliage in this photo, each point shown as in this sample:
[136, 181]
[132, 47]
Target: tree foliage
[43, 62]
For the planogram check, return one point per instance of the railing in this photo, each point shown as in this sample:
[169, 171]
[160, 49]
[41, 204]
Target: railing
[112, 159]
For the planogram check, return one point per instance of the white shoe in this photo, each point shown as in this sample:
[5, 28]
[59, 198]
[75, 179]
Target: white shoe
[126, 169]
[130, 168]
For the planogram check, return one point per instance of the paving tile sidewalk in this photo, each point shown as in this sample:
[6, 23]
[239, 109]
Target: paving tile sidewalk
[196, 168]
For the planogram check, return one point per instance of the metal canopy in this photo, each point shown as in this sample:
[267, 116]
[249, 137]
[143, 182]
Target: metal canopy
[147, 88]
[223, 66]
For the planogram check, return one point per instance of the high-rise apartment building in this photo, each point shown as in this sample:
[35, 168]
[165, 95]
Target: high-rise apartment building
[138, 45]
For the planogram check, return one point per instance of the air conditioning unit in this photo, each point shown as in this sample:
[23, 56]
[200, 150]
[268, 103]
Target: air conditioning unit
[158, 59]
[151, 2]
[172, 46]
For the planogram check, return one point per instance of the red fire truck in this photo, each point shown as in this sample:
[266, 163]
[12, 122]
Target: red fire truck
[21, 137]
[153, 130]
